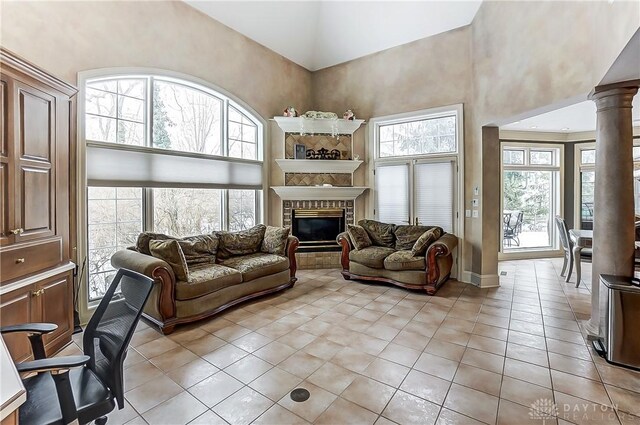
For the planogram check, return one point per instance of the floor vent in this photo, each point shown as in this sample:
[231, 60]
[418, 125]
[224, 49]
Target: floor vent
[300, 395]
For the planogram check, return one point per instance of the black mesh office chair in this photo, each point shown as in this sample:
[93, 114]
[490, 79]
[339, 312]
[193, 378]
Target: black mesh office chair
[86, 387]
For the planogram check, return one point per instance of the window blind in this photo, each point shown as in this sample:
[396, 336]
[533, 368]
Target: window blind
[122, 166]
[434, 194]
[392, 193]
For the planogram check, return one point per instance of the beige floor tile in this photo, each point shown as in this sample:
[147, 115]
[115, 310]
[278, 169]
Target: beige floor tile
[458, 324]
[242, 407]
[381, 331]
[386, 372]
[527, 354]
[478, 379]
[276, 383]
[490, 345]
[620, 377]
[224, 385]
[275, 352]
[186, 335]
[119, 417]
[278, 415]
[140, 373]
[452, 335]
[411, 339]
[510, 413]
[297, 339]
[527, 372]
[208, 418]
[444, 349]
[522, 392]
[301, 364]
[224, 356]
[173, 359]
[311, 408]
[178, 410]
[368, 344]
[529, 340]
[426, 386]
[449, 417]
[248, 368]
[472, 403]
[352, 359]
[568, 349]
[342, 411]
[192, 373]
[405, 408]
[156, 347]
[132, 357]
[400, 354]
[437, 366]
[205, 345]
[143, 336]
[231, 332]
[322, 348]
[483, 360]
[332, 378]
[579, 387]
[625, 400]
[490, 331]
[251, 342]
[370, 394]
[579, 411]
[152, 393]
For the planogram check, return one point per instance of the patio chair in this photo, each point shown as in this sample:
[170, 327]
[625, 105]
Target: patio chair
[567, 248]
[513, 227]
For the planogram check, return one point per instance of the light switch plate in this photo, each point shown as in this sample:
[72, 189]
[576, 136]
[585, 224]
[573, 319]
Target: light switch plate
[476, 191]
[475, 202]
[475, 214]
[467, 213]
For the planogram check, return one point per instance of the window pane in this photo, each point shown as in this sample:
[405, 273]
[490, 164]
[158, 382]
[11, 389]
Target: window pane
[114, 218]
[104, 85]
[101, 103]
[100, 129]
[130, 109]
[434, 197]
[186, 119]
[392, 193]
[588, 156]
[132, 87]
[432, 135]
[513, 157]
[185, 212]
[242, 209]
[241, 128]
[587, 187]
[540, 158]
[130, 133]
[636, 153]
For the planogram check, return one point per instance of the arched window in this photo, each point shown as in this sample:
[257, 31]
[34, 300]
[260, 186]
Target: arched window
[164, 154]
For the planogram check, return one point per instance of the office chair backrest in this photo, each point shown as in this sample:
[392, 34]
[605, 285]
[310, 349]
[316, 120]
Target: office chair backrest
[564, 234]
[111, 327]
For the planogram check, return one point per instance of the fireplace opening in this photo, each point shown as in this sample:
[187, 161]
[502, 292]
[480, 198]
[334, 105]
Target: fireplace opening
[317, 229]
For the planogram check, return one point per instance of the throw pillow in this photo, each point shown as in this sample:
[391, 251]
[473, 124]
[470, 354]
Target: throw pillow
[381, 234]
[169, 250]
[241, 243]
[200, 249]
[275, 240]
[407, 235]
[425, 240]
[358, 236]
[142, 244]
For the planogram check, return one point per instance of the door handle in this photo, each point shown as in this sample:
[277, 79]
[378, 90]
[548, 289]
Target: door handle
[38, 292]
[17, 231]
[19, 260]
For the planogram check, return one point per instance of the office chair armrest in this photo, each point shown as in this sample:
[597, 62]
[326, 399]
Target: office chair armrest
[35, 332]
[32, 328]
[54, 364]
[59, 368]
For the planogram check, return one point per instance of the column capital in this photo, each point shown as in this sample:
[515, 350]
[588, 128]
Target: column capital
[613, 97]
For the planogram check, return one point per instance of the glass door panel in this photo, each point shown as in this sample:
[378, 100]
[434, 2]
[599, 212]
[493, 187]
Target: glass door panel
[587, 182]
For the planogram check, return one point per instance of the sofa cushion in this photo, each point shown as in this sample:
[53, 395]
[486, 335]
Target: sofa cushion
[404, 260]
[256, 265]
[205, 279]
[275, 240]
[372, 256]
[359, 237]
[240, 243]
[425, 240]
[142, 243]
[200, 249]
[170, 251]
[381, 234]
[408, 234]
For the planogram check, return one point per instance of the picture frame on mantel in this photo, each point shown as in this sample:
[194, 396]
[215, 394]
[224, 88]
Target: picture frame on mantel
[300, 151]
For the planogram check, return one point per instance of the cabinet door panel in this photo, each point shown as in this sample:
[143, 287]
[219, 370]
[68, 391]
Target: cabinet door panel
[57, 307]
[36, 124]
[6, 178]
[36, 210]
[16, 308]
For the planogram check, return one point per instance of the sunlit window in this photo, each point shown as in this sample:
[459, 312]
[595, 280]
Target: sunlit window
[418, 137]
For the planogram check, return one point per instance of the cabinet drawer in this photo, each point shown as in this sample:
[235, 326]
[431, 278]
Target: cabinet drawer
[25, 259]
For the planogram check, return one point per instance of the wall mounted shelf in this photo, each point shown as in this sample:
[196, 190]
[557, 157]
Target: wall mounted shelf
[318, 165]
[317, 126]
[312, 193]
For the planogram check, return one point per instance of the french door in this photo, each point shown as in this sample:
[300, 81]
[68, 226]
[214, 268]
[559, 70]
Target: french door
[417, 192]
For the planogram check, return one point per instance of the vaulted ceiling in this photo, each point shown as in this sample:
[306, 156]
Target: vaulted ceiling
[319, 34]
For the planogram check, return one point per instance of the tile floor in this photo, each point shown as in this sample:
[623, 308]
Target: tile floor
[379, 354]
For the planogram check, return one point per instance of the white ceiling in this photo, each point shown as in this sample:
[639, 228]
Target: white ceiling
[319, 34]
[571, 119]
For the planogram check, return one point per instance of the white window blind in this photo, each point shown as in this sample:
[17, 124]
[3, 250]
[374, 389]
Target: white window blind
[114, 165]
[434, 191]
[392, 193]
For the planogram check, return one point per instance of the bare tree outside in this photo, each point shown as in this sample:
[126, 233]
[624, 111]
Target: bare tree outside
[433, 135]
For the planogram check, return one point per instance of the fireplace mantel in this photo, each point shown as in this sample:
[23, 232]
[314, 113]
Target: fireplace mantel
[325, 193]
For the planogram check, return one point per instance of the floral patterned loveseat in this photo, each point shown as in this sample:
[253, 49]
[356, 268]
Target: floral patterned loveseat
[413, 257]
[199, 276]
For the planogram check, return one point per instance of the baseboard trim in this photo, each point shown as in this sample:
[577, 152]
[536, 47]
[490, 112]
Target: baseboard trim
[481, 280]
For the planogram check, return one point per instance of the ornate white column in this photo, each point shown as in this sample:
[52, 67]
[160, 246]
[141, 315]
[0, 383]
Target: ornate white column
[613, 227]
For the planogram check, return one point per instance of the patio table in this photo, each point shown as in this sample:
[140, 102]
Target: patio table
[581, 239]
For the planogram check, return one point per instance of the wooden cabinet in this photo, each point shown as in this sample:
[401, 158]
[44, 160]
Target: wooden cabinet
[36, 120]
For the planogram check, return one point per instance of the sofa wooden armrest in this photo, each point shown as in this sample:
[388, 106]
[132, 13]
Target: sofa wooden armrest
[159, 270]
[345, 241]
[443, 247]
[290, 251]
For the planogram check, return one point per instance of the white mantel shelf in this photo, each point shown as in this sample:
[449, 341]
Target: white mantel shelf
[318, 165]
[312, 193]
[317, 126]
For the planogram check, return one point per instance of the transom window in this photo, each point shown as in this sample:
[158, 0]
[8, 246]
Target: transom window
[164, 155]
[418, 136]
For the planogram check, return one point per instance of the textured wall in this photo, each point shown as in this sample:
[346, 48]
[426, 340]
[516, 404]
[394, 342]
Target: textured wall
[67, 37]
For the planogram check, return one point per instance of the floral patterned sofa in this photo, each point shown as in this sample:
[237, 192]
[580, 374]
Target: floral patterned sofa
[413, 257]
[199, 276]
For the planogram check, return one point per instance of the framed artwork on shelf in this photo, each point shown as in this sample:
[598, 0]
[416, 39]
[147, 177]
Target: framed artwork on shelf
[300, 151]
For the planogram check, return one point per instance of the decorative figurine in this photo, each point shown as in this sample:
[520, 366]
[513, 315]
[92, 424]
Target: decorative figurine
[349, 115]
[290, 112]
